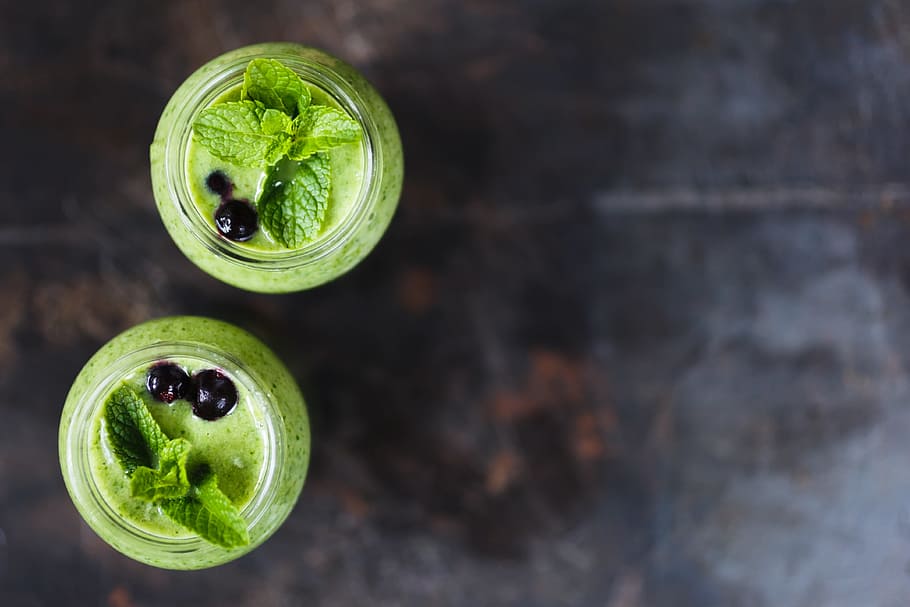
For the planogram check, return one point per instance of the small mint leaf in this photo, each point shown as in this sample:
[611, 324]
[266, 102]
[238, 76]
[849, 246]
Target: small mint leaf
[143, 483]
[169, 480]
[293, 207]
[151, 486]
[173, 457]
[208, 512]
[134, 435]
[276, 86]
[244, 133]
[274, 122]
[321, 128]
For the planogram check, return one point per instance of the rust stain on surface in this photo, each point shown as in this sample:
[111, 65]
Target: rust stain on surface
[352, 501]
[120, 597]
[354, 504]
[555, 377]
[423, 195]
[587, 441]
[553, 381]
[510, 406]
[12, 309]
[502, 471]
[574, 390]
[417, 290]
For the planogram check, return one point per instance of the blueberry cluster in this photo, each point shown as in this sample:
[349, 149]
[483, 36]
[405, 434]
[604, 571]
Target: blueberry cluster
[235, 219]
[211, 393]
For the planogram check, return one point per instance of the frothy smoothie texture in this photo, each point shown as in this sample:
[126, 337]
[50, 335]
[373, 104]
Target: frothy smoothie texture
[184, 442]
[276, 167]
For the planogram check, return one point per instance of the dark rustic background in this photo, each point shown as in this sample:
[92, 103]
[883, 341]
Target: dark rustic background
[639, 334]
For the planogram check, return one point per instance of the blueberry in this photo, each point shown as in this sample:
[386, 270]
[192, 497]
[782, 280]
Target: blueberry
[214, 395]
[167, 382]
[236, 220]
[219, 183]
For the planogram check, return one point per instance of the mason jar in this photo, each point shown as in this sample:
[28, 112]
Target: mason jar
[259, 451]
[365, 210]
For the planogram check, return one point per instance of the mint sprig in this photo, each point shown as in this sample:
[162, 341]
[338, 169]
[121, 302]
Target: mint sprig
[274, 124]
[275, 86]
[157, 467]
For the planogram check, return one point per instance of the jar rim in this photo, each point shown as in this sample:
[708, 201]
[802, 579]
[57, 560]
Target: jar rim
[213, 80]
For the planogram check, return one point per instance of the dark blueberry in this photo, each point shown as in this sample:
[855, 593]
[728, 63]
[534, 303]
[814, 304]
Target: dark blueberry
[167, 382]
[215, 394]
[219, 183]
[236, 220]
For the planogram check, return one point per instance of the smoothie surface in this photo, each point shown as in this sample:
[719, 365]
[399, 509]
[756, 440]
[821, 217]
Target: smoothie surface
[234, 447]
[347, 162]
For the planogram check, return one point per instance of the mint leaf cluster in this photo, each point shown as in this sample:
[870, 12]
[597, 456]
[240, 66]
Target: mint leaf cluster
[157, 467]
[273, 124]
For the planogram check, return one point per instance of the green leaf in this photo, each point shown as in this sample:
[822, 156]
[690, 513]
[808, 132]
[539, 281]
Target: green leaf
[169, 480]
[322, 128]
[244, 133]
[208, 512]
[134, 435]
[293, 205]
[151, 486]
[276, 86]
[274, 122]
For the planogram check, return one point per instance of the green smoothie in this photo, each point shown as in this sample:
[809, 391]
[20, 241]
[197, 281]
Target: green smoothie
[362, 192]
[258, 449]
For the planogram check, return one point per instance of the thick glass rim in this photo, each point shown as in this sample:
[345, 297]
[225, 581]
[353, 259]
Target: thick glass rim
[101, 515]
[213, 80]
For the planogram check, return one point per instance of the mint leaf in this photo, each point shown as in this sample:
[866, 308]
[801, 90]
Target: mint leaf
[245, 133]
[276, 86]
[135, 437]
[275, 122]
[322, 128]
[169, 480]
[151, 486]
[208, 512]
[293, 205]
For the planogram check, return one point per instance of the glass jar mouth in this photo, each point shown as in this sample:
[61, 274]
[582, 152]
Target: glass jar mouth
[212, 81]
[97, 508]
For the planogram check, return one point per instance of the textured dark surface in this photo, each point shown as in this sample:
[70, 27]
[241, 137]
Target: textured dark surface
[638, 336]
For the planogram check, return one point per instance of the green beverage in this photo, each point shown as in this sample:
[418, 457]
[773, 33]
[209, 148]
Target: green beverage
[217, 458]
[276, 167]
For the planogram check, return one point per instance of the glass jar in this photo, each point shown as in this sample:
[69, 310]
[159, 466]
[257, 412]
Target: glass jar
[278, 422]
[331, 254]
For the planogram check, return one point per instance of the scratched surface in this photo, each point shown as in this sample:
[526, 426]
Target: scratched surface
[638, 336]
